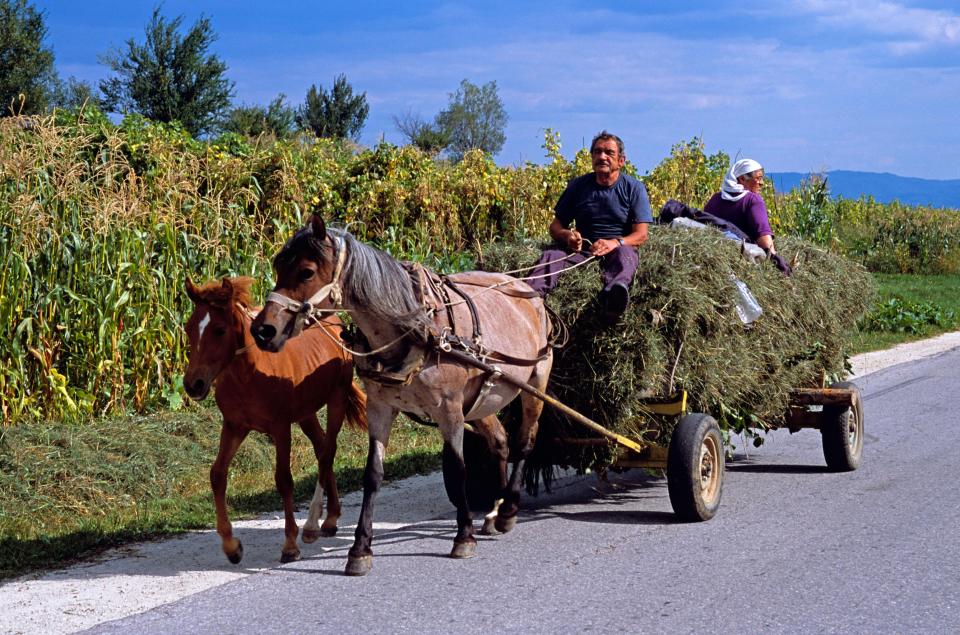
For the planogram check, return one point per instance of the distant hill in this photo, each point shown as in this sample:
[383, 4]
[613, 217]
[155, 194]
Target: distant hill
[883, 186]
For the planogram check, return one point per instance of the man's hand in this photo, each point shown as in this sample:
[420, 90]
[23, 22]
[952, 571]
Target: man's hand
[604, 246]
[574, 241]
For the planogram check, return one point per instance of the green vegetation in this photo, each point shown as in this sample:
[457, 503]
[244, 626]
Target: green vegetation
[337, 114]
[474, 119]
[170, 77]
[27, 76]
[100, 225]
[909, 307]
[276, 121]
[67, 491]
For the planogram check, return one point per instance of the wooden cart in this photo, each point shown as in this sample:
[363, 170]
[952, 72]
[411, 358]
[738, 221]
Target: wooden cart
[694, 459]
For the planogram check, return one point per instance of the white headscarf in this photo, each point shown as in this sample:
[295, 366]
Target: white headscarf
[732, 190]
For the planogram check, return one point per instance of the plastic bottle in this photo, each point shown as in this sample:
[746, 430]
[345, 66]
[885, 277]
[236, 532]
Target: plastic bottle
[748, 309]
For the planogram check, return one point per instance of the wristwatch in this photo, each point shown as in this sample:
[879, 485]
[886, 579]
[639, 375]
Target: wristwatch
[620, 240]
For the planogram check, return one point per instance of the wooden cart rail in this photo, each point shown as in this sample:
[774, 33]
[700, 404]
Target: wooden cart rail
[694, 461]
[812, 407]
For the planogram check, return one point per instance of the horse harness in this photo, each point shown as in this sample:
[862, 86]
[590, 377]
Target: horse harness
[434, 295]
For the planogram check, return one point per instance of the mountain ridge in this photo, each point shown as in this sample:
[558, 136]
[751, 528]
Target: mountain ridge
[885, 187]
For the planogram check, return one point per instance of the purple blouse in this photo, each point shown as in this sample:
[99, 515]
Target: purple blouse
[749, 214]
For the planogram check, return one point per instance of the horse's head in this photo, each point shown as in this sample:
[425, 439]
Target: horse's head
[215, 330]
[307, 268]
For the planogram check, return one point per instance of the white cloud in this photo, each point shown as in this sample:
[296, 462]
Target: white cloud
[924, 27]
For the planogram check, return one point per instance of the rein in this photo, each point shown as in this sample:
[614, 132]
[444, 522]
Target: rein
[445, 341]
[250, 313]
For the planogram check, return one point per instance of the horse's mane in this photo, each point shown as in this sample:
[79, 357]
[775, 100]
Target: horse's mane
[370, 278]
[213, 292]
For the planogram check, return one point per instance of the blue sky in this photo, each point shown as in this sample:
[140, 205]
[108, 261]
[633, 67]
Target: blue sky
[801, 85]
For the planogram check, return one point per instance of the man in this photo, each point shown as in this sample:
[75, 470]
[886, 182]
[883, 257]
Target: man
[740, 203]
[610, 213]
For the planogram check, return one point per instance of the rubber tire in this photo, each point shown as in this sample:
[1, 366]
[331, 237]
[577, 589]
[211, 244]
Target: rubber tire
[842, 432]
[696, 443]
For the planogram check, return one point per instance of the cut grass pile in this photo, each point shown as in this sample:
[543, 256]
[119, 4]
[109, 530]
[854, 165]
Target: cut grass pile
[681, 332]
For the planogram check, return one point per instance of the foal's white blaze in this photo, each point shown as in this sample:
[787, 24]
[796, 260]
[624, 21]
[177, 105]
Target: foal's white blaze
[203, 325]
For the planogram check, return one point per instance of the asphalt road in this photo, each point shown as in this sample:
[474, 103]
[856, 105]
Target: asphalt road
[794, 548]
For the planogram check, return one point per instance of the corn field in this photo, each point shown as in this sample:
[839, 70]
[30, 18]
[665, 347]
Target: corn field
[100, 224]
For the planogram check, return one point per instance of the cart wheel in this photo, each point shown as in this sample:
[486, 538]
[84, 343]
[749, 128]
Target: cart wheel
[842, 432]
[695, 467]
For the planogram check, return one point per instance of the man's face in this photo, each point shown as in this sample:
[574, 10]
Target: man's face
[607, 159]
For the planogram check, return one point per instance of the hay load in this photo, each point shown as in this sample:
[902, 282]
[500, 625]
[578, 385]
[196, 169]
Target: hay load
[682, 332]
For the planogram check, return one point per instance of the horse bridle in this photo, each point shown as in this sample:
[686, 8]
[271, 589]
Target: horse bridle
[306, 313]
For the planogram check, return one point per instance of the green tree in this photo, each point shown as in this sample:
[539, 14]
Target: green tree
[338, 114]
[474, 119]
[429, 137]
[74, 93]
[170, 77]
[276, 120]
[27, 75]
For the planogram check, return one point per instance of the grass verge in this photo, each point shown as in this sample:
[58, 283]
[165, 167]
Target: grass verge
[68, 491]
[909, 308]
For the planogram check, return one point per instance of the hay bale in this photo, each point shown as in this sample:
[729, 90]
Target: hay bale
[681, 331]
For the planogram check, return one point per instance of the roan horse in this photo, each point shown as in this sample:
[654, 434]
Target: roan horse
[418, 331]
[267, 392]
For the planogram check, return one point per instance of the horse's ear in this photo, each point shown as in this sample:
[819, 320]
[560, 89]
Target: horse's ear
[226, 291]
[192, 291]
[319, 227]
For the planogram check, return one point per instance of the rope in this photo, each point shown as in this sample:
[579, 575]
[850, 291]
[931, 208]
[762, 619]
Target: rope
[524, 279]
[380, 349]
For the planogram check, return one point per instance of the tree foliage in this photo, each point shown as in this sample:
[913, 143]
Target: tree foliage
[338, 114]
[277, 120]
[474, 119]
[27, 75]
[428, 137]
[171, 77]
[74, 93]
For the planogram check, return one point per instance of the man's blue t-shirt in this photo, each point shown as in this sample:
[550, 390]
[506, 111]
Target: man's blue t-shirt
[604, 212]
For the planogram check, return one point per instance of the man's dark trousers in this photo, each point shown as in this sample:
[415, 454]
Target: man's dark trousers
[617, 267]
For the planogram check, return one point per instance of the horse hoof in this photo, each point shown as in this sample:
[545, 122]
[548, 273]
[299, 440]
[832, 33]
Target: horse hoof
[289, 557]
[504, 525]
[311, 535]
[464, 550]
[358, 565]
[328, 532]
[489, 528]
[237, 555]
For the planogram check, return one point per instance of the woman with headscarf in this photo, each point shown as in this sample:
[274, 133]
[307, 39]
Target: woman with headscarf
[740, 203]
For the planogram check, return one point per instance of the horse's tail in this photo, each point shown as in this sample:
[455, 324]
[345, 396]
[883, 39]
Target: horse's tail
[357, 407]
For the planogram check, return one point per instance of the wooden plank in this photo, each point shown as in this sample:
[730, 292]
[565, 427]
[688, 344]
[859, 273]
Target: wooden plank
[671, 407]
[652, 457]
[821, 397]
[798, 418]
